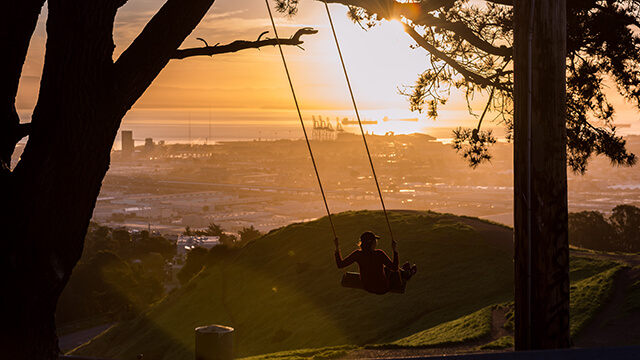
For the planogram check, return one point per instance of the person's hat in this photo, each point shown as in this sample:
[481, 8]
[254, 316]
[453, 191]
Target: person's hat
[368, 236]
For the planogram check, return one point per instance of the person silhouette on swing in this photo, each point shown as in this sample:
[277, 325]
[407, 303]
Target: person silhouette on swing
[375, 265]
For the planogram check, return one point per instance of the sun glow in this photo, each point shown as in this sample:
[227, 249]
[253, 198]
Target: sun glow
[244, 93]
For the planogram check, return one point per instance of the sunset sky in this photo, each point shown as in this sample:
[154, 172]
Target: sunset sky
[253, 82]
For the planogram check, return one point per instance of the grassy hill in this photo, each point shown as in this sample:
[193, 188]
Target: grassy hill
[282, 291]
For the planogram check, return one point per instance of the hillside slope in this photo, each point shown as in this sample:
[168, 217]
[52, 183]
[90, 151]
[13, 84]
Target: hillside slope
[282, 291]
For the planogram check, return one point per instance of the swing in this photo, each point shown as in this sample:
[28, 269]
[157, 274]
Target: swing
[349, 279]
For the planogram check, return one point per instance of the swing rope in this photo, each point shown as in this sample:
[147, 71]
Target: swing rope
[355, 107]
[304, 130]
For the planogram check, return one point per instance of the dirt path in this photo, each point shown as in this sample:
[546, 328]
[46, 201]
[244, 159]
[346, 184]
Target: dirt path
[631, 260]
[611, 326]
[498, 319]
[73, 340]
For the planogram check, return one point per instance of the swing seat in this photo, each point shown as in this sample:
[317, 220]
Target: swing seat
[352, 280]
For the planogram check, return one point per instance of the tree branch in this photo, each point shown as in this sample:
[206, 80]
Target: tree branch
[623, 18]
[469, 75]
[464, 32]
[391, 9]
[242, 45]
[419, 13]
[150, 52]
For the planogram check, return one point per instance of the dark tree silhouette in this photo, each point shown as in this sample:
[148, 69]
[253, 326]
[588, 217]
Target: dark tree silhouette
[249, 233]
[626, 220]
[619, 232]
[196, 260]
[591, 230]
[49, 196]
[214, 230]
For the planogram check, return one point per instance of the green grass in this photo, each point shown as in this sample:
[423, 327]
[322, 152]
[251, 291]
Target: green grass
[467, 328]
[583, 267]
[314, 354]
[281, 292]
[592, 285]
[504, 342]
[632, 298]
[510, 316]
[590, 294]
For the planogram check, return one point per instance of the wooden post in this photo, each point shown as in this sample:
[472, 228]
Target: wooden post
[214, 342]
[540, 178]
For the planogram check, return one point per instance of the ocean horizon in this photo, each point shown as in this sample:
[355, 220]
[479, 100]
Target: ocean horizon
[207, 126]
[211, 125]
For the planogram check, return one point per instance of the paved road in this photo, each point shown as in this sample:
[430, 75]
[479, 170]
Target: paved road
[72, 341]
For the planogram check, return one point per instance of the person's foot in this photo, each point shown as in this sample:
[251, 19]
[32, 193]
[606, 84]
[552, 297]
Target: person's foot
[407, 270]
[406, 267]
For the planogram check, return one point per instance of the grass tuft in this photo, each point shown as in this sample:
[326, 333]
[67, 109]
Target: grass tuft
[590, 295]
[313, 354]
[504, 342]
[467, 328]
[632, 298]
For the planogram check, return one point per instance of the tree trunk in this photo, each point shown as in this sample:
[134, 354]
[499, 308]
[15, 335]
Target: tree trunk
[54, 187]
[48, 200]
[540, 178]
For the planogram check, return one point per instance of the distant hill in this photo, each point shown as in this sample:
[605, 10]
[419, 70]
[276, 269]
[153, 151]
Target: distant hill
[282, 291]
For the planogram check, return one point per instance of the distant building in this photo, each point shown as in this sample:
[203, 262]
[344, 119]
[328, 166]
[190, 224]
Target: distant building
[127, 143]
[186, 243]
[149, 146]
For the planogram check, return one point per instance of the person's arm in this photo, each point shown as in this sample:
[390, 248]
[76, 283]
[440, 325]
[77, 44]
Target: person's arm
[340, 262]
[392, 265]
[396, 258]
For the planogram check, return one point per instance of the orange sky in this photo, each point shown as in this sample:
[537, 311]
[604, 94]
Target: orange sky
[379, 61]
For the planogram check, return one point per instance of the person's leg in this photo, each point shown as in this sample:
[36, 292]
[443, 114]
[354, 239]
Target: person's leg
[404, 274]
[407, 271]
[389, 273]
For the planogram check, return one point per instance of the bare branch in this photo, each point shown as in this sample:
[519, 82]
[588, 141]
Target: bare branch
[469, 75]
[486, 108]
[150, 52]
[242, 45]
